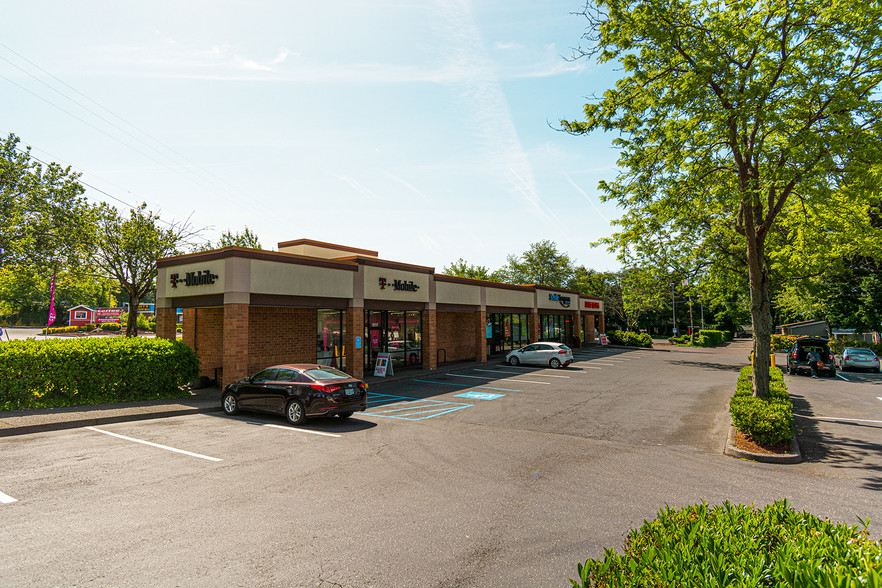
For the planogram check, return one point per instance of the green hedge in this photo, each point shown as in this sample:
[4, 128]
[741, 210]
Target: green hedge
[629, 338]
[49, 373]
[703, 338]
[838, 345]
[768, 420]
[738, 545]
[782, 342]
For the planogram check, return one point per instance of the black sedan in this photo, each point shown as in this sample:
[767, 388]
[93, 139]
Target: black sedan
[297, 391]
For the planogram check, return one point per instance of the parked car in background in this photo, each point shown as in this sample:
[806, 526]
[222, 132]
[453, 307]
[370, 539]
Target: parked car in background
[297, 391]
[858, 358]
[797, 357]
[551, 354]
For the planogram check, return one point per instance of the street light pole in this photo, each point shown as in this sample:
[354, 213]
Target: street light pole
[674, 306]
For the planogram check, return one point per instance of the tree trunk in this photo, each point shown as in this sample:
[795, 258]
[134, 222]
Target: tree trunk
[132, 326]
[761, 313]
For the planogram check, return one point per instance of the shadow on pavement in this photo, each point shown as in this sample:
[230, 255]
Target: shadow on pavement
[835, 450]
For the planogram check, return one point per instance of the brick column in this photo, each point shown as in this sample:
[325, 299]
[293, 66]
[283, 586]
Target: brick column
[589, 328]
[235, 364]
[577, 327]
[481, 336]
[354, 328]
[534, 327]
[430, 339]
[166, 323]
[602, 327]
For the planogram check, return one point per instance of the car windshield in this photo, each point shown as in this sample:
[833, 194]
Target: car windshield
[326, 373]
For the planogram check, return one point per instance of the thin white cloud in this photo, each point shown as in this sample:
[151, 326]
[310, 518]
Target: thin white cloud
[406, 184]
[506, 45]
[588, 198]
[431, 244]
[358, 187]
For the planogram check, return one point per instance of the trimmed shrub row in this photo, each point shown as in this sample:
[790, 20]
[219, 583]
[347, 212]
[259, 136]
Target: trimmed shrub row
[839, 344]
[738, 545]
[49, 373]
[704, 338]
[630, 338]
[782, 342]
[767, 420]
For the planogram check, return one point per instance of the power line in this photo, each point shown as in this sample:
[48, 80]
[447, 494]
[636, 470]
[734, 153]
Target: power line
[201, 183]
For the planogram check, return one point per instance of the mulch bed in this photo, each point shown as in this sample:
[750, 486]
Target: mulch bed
[746, 443]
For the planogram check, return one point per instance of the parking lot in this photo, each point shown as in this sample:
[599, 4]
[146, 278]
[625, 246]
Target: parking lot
[482, 476]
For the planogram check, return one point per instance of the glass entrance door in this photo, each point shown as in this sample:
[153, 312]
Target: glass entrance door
[396, 332]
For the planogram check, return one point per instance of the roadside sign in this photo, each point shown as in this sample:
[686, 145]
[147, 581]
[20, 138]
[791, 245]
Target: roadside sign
[603, 339]
[383, 365]
[107, 315]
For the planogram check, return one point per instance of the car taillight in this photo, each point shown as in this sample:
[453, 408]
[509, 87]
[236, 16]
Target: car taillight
[561, 352]
[793, 355]
[327, 388]
[363, 385]
[845, 356]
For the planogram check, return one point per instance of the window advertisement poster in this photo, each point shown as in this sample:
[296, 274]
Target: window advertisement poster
[107, 315]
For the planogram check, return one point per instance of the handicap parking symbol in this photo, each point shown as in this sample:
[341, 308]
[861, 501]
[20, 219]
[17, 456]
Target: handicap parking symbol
[479, 395]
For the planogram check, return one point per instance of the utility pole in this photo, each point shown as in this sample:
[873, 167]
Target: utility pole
[674, 306]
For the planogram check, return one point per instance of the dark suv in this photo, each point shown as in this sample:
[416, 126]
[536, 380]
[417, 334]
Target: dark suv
[797, 358]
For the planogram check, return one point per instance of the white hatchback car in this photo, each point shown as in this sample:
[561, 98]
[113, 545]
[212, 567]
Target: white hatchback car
[551, 354]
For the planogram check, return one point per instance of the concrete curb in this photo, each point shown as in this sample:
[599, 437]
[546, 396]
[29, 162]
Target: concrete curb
[795, 456]
[102, 420]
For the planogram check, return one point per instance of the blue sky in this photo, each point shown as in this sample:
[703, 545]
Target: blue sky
[416, 129]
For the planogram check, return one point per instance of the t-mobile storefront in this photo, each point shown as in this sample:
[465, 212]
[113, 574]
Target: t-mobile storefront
[313, 302]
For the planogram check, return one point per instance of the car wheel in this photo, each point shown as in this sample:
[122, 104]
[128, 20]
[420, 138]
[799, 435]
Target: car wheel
[231, 405]
[295, 413]
[513, 360]
[555, 362]
[344, 415]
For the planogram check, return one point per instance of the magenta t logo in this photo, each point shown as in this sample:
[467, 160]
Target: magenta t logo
[382, 283]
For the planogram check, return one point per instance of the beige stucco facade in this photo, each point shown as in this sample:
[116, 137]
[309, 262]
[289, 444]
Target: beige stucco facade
[225, 291]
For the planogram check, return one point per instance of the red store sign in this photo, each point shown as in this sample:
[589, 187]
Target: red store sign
[592, 304]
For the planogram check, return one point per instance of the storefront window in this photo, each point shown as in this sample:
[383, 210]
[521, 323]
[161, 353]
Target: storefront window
[555, 327]
[396, 332]
[330, 338]
[506, 332]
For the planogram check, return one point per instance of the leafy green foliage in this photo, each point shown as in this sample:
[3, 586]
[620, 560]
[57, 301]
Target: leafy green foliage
[767, 420]
[462, 269]
[745, 131]
[782, 342]
[244, 239]
[541, 264]
[738, 546]
[41, 374]
[629, 338]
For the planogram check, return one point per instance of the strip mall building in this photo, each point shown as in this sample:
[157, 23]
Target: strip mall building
[313, 302]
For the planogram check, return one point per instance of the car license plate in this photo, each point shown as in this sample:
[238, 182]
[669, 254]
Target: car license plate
[350, 391]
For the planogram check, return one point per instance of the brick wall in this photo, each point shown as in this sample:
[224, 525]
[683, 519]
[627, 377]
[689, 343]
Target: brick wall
[207, 338]
[281, 335]
[456, 334]
[354, 318]
[165, 323]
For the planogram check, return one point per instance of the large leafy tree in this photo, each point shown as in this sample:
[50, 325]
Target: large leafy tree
[463, 269]
[246, 238]
[737, 122]
[541, 264]
[129, 247]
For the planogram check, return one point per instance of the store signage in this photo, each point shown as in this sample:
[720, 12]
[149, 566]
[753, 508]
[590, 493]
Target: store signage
[564, 300]
[591, 304]
[200, 278]
[107, 315]
[383, 366]
[603, 339]
[405, 285]
[146, 307]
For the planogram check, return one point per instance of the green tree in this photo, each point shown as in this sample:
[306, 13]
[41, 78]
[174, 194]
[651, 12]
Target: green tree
[541, 264]
[462, 269]
[44, 220]
[244, 239]
[606, 285]
[128, 250]
[737, 122]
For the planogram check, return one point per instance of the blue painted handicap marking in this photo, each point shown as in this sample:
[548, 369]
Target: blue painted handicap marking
[408, 408]
[479, 395]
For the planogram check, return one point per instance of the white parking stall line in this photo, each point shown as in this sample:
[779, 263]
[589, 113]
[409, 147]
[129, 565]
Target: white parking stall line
[294, 429]
[879, 397]
[597, 363]
[157, 445]
[6, 499]
[485, 378]
[844, 420]
[533, 373]
[588, 367]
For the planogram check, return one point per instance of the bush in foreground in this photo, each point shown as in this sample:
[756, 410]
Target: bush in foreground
[41, 374]
[630, 338]
[738, 545]
[766, 420]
